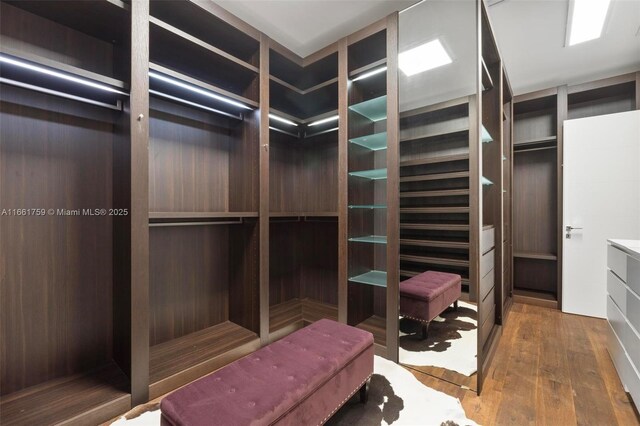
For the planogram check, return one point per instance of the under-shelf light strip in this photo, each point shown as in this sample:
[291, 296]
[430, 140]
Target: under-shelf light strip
[324, 120]
[195, 89]
[59, 75]
[370, 73]
[282, 120]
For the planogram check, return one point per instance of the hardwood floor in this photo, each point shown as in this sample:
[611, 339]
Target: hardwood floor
[550, 369]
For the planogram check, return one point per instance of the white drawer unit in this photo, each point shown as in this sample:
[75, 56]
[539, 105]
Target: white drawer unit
[623, 312]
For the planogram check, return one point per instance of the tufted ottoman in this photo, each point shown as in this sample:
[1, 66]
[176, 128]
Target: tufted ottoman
[301, 379]
[427, 295]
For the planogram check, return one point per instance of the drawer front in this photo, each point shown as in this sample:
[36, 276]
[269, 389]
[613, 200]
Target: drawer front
[487, 326]
[633, 309]
[628, 375]
[486, 284]
[488, 304]
[617, 262]
[633, 274]
[486, 263]
[617, 291]
[616, 319]
[631, 344]
[488, 239]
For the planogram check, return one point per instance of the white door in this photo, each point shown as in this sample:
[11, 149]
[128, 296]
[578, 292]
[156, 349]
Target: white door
[601, 199]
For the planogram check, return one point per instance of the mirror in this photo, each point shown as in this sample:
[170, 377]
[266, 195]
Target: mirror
[437, 84]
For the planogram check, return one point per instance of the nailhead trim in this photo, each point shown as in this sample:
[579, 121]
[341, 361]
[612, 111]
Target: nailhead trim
[343, 402]
[416, 319]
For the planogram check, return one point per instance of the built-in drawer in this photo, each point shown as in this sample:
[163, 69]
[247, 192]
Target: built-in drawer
[617, 262]
[487, 305]
[633, 274]
[628, 375]
[488, 239]
[486, 263]
[616, 319]
[617, 291]
[486, 284]
[631, 344]
[633, 309]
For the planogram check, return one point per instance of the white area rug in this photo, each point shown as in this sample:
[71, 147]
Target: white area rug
[452, 342]
[396, 397]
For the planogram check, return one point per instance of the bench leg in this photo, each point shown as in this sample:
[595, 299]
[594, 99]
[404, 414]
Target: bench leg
[425, 330]
[455, 305]
[364, 392]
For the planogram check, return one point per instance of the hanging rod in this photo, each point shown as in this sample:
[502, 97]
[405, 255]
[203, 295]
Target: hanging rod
[534, 149]
[227, 222]
[117, 106]
[310, 135]
[196, 105]
[295, 135]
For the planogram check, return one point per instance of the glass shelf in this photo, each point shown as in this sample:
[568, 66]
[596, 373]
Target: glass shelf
[375, 278]
[367, 206]
[373, 109]
[374, 174]
[375, 239]
[486, 182]
[375, 142]
[486, 137]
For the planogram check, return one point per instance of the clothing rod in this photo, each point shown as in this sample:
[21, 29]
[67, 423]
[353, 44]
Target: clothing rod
[275, 129]
[117, 106]
[164, 224]
[196, 105]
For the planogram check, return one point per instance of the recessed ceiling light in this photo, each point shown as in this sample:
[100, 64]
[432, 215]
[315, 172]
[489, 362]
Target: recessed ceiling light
[423, 58]
[282, 120]
[324, 120]
[587, 20]
[370, 73]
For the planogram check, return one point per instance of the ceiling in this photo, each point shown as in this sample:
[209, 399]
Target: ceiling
[530, 34]
[306, 26]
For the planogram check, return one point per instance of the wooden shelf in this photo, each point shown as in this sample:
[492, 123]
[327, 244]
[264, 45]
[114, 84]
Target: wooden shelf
[199, 215]
[536, 141]
[303, 214]
[434, 243]
[434, 160]
[94, 397]
[538, 298]
[179, 361]
[538, 256]
[435, 193]
[368, 67]
[434, 226]
[433, 210]
[377, 326]
[199, 84]
[429, 260]
[107, 20]
[436, 134]
[435, 176]
[213, 53]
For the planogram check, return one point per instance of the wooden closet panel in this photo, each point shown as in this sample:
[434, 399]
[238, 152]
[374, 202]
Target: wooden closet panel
[56, 287]
[319, 275]
[53, 41]
[535, 201]
[244, 153]
[285, 258]
[244, 297]
[534, 125]
[188, 279]
[319, 174]
[188, 161]
[285, 162]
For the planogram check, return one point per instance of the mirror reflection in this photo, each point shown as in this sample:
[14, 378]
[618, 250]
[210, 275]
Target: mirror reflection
[437, 85]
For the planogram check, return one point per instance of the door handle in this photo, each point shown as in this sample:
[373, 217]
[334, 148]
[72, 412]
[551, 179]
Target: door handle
[568, 230]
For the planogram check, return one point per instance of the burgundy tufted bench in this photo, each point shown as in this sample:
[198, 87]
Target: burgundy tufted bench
[301, 379]
[427, 295]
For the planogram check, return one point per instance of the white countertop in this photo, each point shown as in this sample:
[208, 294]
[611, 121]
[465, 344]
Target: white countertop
[630, 246]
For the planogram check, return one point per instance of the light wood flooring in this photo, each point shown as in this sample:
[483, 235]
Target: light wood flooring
[550, 368]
